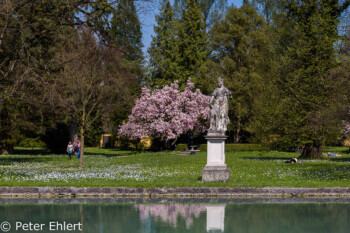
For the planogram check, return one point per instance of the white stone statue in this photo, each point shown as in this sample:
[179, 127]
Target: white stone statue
[219, 108]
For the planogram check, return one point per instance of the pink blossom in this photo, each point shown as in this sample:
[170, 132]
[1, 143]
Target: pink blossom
[346, 127]
[167, 113]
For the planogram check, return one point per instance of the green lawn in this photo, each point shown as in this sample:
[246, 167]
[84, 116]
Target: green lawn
[129, 168]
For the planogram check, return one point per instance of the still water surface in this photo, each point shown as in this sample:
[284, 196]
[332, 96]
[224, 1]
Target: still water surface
[177, 215]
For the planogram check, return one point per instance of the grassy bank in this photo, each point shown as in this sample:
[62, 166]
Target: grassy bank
[128, 168]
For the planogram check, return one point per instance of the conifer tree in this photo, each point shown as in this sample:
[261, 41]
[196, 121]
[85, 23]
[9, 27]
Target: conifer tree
[211, 10]
[163, 64]
[127, 36]
[307, 55]
[126, 31]
[192, 52]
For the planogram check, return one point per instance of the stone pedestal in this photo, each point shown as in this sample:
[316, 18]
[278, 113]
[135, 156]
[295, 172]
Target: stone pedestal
[216, 169]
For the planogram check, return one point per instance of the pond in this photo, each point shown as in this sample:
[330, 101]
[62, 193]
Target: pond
[134, 215]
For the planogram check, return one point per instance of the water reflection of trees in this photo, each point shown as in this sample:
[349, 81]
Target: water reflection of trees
[170, 212]
[188, 218]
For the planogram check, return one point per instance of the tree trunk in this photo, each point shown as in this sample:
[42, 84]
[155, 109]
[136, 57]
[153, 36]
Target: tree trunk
[82, 142]
[237, 136]
[312, 151]
[73, 131]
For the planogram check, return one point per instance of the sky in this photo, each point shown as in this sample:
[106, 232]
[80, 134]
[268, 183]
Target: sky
[147, 19]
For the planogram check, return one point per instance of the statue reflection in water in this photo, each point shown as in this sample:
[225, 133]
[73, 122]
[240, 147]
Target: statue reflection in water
[169, 213]
[215, 217]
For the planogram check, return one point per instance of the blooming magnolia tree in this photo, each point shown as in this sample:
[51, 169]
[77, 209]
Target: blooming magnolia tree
[167, 113]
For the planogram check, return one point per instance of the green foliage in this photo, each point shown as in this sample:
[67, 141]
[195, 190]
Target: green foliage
[93, 134]
[267, 8]
[126, 31]
[307, 102]
[240, 49]
[9, 133]
[211, 10]
[163, 49]
[127, 37]
[179, 47]
[121, 112]
[181, 147]
[32, 143]
[192, 46]
[238, 147]
[289, 77]
[31, 32]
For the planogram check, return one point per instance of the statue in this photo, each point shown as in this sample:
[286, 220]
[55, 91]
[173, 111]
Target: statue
[216, 169]
[219, 108]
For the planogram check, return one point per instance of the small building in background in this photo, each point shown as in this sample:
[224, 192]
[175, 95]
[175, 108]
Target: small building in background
[106, 141]
[145, 142]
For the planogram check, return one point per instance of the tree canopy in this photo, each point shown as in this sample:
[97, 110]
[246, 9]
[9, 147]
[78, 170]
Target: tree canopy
[80, 63]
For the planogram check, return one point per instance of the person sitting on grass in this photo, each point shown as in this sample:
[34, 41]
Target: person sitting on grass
[70, 149]
[293, 160]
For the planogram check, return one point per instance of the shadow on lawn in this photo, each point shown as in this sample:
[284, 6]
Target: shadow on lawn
[9, 160]
[268, 158]
[31, 151]
[343, 160]
[112, 153]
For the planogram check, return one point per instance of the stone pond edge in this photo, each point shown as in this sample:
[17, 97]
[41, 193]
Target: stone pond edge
[172, 192]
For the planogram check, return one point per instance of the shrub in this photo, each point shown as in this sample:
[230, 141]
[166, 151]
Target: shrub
[181, 147]
[32, 143]
[238, 147]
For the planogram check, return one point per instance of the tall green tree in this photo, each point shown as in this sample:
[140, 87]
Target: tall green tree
[267, 8]
[192, 46]
[126, 31]
[240, 45]
[127, 37]
[29, 33]
[307, 55]
[163, 50]
[211, 10]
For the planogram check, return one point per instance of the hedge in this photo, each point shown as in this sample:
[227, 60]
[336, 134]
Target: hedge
[229, 147]
[181, 147]
[238, 147]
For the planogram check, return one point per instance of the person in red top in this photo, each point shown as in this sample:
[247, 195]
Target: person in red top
[78, 148]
